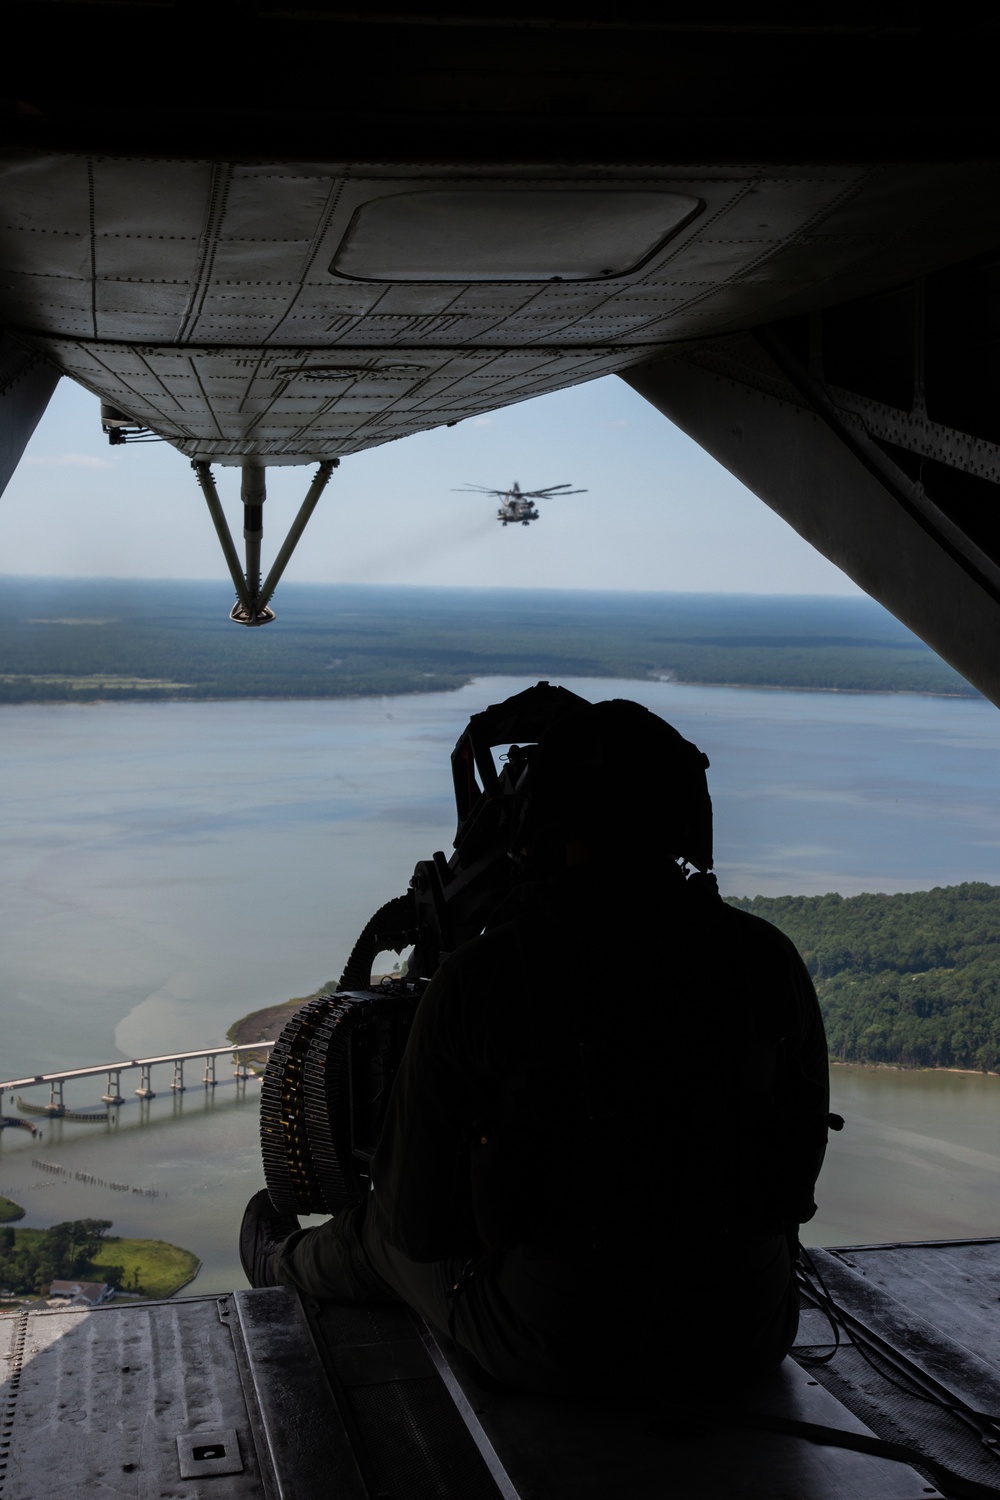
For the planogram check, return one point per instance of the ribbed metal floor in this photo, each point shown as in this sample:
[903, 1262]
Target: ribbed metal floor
[220, 1396]
[251, 1395]
[608, 1447]
[928, 1316]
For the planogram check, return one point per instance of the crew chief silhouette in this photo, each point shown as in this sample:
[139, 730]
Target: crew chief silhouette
[612, 1109]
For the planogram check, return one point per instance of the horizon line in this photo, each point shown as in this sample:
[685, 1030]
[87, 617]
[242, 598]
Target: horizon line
[496, 588]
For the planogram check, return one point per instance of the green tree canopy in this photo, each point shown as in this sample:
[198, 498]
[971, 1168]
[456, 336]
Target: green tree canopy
[911, 979]
[65, 1252]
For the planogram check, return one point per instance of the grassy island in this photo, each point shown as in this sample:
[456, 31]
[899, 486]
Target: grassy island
[82, 1250]
[9, 1210]
[153, 1268]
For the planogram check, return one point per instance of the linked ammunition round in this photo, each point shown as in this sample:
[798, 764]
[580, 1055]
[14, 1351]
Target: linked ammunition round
[324, 1096]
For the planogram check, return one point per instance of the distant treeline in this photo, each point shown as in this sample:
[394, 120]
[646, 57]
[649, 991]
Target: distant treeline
[86, 640]
[911, 979]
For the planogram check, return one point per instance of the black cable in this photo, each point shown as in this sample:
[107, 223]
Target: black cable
[836, 1317]
[807, 1260]
[827, 1305]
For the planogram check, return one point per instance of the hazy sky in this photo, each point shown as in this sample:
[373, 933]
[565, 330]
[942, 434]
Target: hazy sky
[659, 513]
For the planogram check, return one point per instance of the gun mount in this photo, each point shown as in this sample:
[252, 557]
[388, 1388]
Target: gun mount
[329, 1076]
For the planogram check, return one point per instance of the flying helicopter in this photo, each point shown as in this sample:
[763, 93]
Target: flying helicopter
[517, 504]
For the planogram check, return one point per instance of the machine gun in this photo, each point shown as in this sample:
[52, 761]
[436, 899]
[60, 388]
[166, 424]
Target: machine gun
[327, 1082]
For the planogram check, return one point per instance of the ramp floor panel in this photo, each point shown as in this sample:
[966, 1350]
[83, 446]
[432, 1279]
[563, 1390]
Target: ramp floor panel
[255, 1397]
[643, 1447]
[952, 1284]
[218, 1396]
[923, 1322]
[111, 1402]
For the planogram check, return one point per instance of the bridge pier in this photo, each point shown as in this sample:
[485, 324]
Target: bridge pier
[113, 1071]
[145, 1089]
[113, 1093]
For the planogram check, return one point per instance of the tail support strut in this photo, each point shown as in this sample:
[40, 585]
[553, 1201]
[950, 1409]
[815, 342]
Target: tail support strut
[253, 597]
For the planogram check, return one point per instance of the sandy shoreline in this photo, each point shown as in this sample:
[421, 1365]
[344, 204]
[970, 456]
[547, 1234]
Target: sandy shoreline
[838, 1062]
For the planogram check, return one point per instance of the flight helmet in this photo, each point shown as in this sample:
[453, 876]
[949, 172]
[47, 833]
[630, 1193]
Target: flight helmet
[622, 781]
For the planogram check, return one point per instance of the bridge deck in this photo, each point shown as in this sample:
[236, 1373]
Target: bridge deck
[122, 1064]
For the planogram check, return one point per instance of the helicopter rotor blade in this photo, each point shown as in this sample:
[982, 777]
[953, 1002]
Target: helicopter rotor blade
[556, 492]
[514, 494]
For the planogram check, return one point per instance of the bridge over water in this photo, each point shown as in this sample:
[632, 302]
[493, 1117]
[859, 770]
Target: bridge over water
[114, 1070]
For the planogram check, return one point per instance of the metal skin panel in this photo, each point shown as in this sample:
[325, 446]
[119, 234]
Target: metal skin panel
[543, 1448]
[310, 1449]
[177, 1400]
[948, 1337]
[956, 1286]
[103, 1397]
[843, 508]
[169, 286]
[26, 386]
[464, 234]
[914, 431]
[227, 1397]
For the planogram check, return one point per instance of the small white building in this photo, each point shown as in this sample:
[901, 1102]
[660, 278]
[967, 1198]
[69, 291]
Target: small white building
[79, 1293]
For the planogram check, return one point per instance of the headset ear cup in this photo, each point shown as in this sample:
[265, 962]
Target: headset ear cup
[615, 775]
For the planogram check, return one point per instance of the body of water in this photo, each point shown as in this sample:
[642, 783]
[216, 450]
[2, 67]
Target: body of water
[169, 867]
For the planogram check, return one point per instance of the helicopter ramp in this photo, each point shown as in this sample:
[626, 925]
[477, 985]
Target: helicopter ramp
[254, 1395]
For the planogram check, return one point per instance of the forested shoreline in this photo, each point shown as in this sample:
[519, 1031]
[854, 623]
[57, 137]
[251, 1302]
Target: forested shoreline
[85, 640]
[911, 980]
